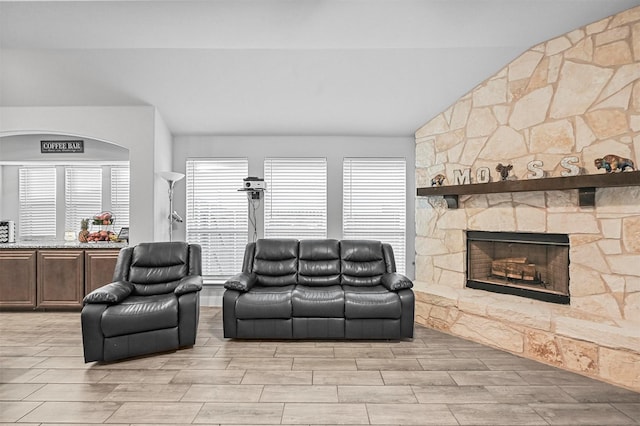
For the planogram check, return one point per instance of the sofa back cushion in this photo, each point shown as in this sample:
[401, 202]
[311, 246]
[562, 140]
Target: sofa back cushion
[363, 262]
[157, 267]
[275, 262]
[319, 263]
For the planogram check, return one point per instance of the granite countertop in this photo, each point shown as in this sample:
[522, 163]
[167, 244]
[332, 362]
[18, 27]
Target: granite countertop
[61, 245]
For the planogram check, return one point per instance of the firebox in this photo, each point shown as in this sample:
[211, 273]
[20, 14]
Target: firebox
[533, 265]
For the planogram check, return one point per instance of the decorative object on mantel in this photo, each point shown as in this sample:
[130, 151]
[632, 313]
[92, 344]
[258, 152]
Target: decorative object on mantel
[535, 169]
[504, 170]
[612, 163]
[438, 180]
[585, 184]
[461, 177]
[569, 164]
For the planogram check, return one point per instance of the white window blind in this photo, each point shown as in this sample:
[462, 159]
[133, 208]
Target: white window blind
[374, 202]
[37, 217]
[217, 213]
[295, 203]
[82, 194]
[120, 196]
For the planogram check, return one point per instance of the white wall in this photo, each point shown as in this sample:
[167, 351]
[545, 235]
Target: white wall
[162, 160]
[130, 127]
[333, 148]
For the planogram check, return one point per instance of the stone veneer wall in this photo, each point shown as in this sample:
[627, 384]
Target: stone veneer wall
[575, 95]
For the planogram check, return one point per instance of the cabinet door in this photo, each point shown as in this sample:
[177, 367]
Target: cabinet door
[18, 278]
[99, 266]
[60, 278]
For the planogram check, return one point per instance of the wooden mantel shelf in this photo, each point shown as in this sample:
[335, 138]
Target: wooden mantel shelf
[585, 184]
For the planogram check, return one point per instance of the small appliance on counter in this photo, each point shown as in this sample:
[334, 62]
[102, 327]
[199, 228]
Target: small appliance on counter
[7, 231]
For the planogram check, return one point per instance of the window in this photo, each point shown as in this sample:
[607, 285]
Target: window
[37, 203]
[374, 202]
[70, 191]
[217, 216]
[82, 194]
[120, 196]
[295, 204]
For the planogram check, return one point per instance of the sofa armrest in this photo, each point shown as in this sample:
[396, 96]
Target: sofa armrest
[241, 282]
[189, 284]
[395, 281]
[112, 293]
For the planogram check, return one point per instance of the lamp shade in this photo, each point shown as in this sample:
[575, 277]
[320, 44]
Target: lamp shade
[171, 176]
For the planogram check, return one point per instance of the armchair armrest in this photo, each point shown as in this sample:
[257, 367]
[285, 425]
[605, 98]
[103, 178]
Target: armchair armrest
[189, 284]
[395, 281]
[241, 282]
[112, 293]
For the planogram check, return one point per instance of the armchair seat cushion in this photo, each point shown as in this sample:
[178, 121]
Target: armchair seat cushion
[371, 302]
[138, 314]
[265, 302]
[318, 302]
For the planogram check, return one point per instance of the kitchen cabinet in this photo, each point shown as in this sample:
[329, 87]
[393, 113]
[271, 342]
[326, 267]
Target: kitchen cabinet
[60, 278]
[98, 268]
[18, 278]
[50, 276]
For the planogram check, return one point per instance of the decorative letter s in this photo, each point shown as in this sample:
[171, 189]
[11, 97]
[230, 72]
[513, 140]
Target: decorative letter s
[535, 167]
[572, 169]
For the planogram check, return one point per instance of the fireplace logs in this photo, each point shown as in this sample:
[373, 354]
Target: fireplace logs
[516, 268]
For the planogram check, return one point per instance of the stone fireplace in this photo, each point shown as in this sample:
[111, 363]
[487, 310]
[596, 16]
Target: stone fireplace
[532, 265]
[577, 95]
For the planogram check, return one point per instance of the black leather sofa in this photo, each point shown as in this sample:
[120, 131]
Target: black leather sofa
[318, 289]
[151, 306]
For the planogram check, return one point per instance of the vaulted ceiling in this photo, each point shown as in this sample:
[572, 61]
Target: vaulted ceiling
[273, 67]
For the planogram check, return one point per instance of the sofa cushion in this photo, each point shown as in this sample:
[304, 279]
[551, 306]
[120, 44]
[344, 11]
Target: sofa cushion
[320, 302]
[372, 328]
[319, 263]
[157, 267]
[318, 328]
[268, 328]
[363, 262]
[265, 302]
[137, 314]
[275, 262]
[371, 302]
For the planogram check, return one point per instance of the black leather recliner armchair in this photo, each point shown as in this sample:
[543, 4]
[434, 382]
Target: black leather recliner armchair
[151, 306]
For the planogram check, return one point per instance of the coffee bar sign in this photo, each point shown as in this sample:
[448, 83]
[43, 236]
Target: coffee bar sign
[62, 147]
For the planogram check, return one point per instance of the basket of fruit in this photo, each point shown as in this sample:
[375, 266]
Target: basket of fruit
[104, 218]
[101, 236]
[101, 229]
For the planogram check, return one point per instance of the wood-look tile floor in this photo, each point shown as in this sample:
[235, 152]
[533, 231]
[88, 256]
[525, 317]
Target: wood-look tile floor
[434, 379]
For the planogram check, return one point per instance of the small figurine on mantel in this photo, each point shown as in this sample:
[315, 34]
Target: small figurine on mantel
[438, 180]
[612, 163]
[504, 170]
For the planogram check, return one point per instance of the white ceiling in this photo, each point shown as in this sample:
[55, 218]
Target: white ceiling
[273, 67]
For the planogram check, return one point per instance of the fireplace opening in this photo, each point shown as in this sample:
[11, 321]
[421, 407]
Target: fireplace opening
[533, 265]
